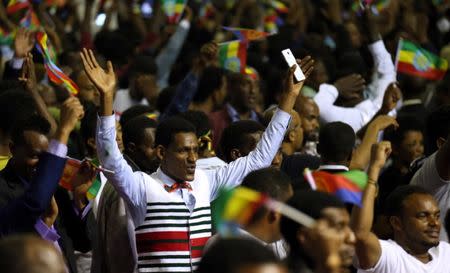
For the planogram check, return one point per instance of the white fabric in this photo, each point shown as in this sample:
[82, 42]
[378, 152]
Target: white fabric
[123, 101]
[394, 259]
[427, 177]
[362, 113]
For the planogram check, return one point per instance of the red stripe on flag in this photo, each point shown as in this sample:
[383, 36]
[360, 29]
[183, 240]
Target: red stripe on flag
[16, 7]
[431, 74]
[242, 55]
[164, 235]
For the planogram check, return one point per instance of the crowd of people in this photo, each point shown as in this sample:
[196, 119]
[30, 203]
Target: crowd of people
[158, 126]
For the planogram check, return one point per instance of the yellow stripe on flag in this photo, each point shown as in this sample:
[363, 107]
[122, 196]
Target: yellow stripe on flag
[179, 8]
[408, 57]
[233, 49]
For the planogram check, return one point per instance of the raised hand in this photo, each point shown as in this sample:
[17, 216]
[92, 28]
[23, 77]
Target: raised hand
[207, 57]
[71, 112]
[23, 43]
[104, 80]
[380, 154]
[384, 121]
[28, 76]
[350, 87]
[392, 95]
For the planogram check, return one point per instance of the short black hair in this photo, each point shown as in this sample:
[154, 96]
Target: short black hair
[134, 129]
[168, 128]
[143, 64]
[199, 119]
[351, 62]
[311, 203]
[275, 183]
[16, 105]
[406, 124]
[165, 97]
[229, 255]
[437, 125]
[336, 141]
[134, 111]
[394, 201]
[234, 136]
[35, 123]
[211, 79]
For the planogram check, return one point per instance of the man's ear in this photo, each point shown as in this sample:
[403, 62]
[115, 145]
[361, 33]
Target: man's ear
[160, 152]
[131, 147]
[272, 216]
[396, 223]
[91, 143]
[292, 135]
[301, 235]
[440, 142]
[235, 154]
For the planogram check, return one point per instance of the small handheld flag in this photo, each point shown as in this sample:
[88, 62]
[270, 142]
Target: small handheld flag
[173, 9]
[30, 21]
[247, 35]
[279, 6]
[233, 56]
[16, 5]
[54, 73]
[413, 60]
[347, 186]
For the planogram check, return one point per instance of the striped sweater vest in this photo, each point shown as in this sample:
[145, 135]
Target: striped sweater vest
[171, 239]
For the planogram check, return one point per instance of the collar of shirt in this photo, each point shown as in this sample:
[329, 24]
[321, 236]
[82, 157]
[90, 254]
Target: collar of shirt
[333, 167]
[234, 115]
[411, 102]
[164, 178]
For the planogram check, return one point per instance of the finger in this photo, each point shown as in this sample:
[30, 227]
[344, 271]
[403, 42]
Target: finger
[109, 67]
[88, 59]
[84, 61]
[309, 71]
[94, 61]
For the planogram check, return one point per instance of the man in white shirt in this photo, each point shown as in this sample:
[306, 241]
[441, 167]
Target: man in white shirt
[414, 216]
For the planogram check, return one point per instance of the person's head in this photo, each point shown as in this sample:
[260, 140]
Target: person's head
[318, 205]
[239, 139]
[293, 139]
[139, 142]
[15, 106]
[28, 141]
[242, 94]
[142, 76]
[407, 141]
[88, 91]
[239, 256]
[351, 62]
[203, 131]
[134, 111]
[355, 35]
[437, 129]
[87, 129]
[211, 85]
[319, 75]
[29, 254]
[276, 185]
[309, 116]
[414, 87]
[177, 148]
[336, 143]
[414, 216]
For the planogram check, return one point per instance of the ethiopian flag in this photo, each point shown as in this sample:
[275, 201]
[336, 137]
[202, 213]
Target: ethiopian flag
[233, 56]
[173, 9]
[414, 60]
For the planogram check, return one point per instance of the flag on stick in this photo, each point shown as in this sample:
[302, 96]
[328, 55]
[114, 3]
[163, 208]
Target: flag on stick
[16, 5]
[30, 21]
[413, 60]
[347, 186]
[247, 35]
[233, 56]
[173, 9]
[54, 73]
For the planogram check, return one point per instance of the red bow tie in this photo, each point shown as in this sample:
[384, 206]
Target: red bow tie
[178, 185]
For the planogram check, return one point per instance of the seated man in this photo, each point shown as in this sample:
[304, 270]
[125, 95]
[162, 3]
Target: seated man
[174, 202]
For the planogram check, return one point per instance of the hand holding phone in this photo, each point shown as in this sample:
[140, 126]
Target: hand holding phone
[290, 60]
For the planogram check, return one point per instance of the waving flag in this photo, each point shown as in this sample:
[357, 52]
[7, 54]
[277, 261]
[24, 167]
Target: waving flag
[246, 35]
[413, 60]
[347, 186]
[272, 21]
[173, 9]
[54, 73]
[30, 21]
[16, 5]
[6, 38]
[279, 6]
[233, 56]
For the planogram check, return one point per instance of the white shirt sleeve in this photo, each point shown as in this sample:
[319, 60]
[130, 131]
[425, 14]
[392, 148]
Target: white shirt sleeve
[232, 174]
[389, 260]
[130, 185]
[428, 177]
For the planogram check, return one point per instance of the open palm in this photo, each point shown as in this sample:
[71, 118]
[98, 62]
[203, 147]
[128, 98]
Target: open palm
[104, 80]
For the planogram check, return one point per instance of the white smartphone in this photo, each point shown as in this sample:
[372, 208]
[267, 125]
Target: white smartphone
[290, 60]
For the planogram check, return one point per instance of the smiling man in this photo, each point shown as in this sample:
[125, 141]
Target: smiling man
[171, 207]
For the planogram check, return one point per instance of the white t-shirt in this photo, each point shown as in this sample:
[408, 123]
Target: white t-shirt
[427, 177]
[394, 259]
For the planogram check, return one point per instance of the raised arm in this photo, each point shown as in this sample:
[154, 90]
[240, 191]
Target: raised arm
[266, 149]
[129, 185]
[368, 248]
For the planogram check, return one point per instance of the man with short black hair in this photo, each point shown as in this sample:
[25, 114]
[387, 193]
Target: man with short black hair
[173, 203]
[336, 144]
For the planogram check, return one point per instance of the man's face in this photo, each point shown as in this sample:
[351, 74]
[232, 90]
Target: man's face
[88, 91]
[411, 147]
[145, 155]
[309, 115]
[220, 94]
[144, 86]
[26, 155]
[420, 222]
[338, 219]
[277, 160]
[246, 95]
[180, 157]
[119, 136]
[297, 128]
